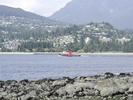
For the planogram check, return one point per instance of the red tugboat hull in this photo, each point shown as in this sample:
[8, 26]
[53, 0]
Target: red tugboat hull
[70, 54]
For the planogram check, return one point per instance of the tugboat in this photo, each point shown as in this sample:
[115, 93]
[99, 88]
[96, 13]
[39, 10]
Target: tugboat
[69, 54]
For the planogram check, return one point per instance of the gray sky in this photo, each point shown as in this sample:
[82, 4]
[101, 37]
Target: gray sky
[42, 7]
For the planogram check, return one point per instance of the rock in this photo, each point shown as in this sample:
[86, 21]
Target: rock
[3, 94]
[21, 93]
[45, 87]
[29, 96]
[24, 82]
[77, 88]
[130, 91]
[90, 79]
[123, 98]
[59, 83]
[130, 97]
[124, 74]
[122, 84]
[108, 75]
[1, 84]
[61, 92]
[68, 80]
[107, 87]
[91, 92]
[130, 79]
[80, 79]
[3, 98]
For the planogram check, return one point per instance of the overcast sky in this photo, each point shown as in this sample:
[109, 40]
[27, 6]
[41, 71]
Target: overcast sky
[42, 7]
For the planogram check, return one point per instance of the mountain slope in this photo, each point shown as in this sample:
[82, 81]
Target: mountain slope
[116, 12]
[6, 11]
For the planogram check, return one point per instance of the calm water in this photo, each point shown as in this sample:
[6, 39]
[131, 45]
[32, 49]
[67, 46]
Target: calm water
[54, 66]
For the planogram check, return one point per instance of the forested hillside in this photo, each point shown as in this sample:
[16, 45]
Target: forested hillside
[18, 34]
[27, 32]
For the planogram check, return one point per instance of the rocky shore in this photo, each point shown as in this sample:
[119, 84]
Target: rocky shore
[100, 87]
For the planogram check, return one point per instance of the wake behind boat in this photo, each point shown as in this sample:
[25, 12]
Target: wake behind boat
[69, 54]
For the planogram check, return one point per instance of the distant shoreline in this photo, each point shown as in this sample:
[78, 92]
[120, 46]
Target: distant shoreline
[56, 53]
[108, 53]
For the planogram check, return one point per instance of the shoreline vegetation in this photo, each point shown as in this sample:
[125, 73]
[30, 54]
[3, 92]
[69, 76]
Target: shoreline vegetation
[108, 86]
[56, 53]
